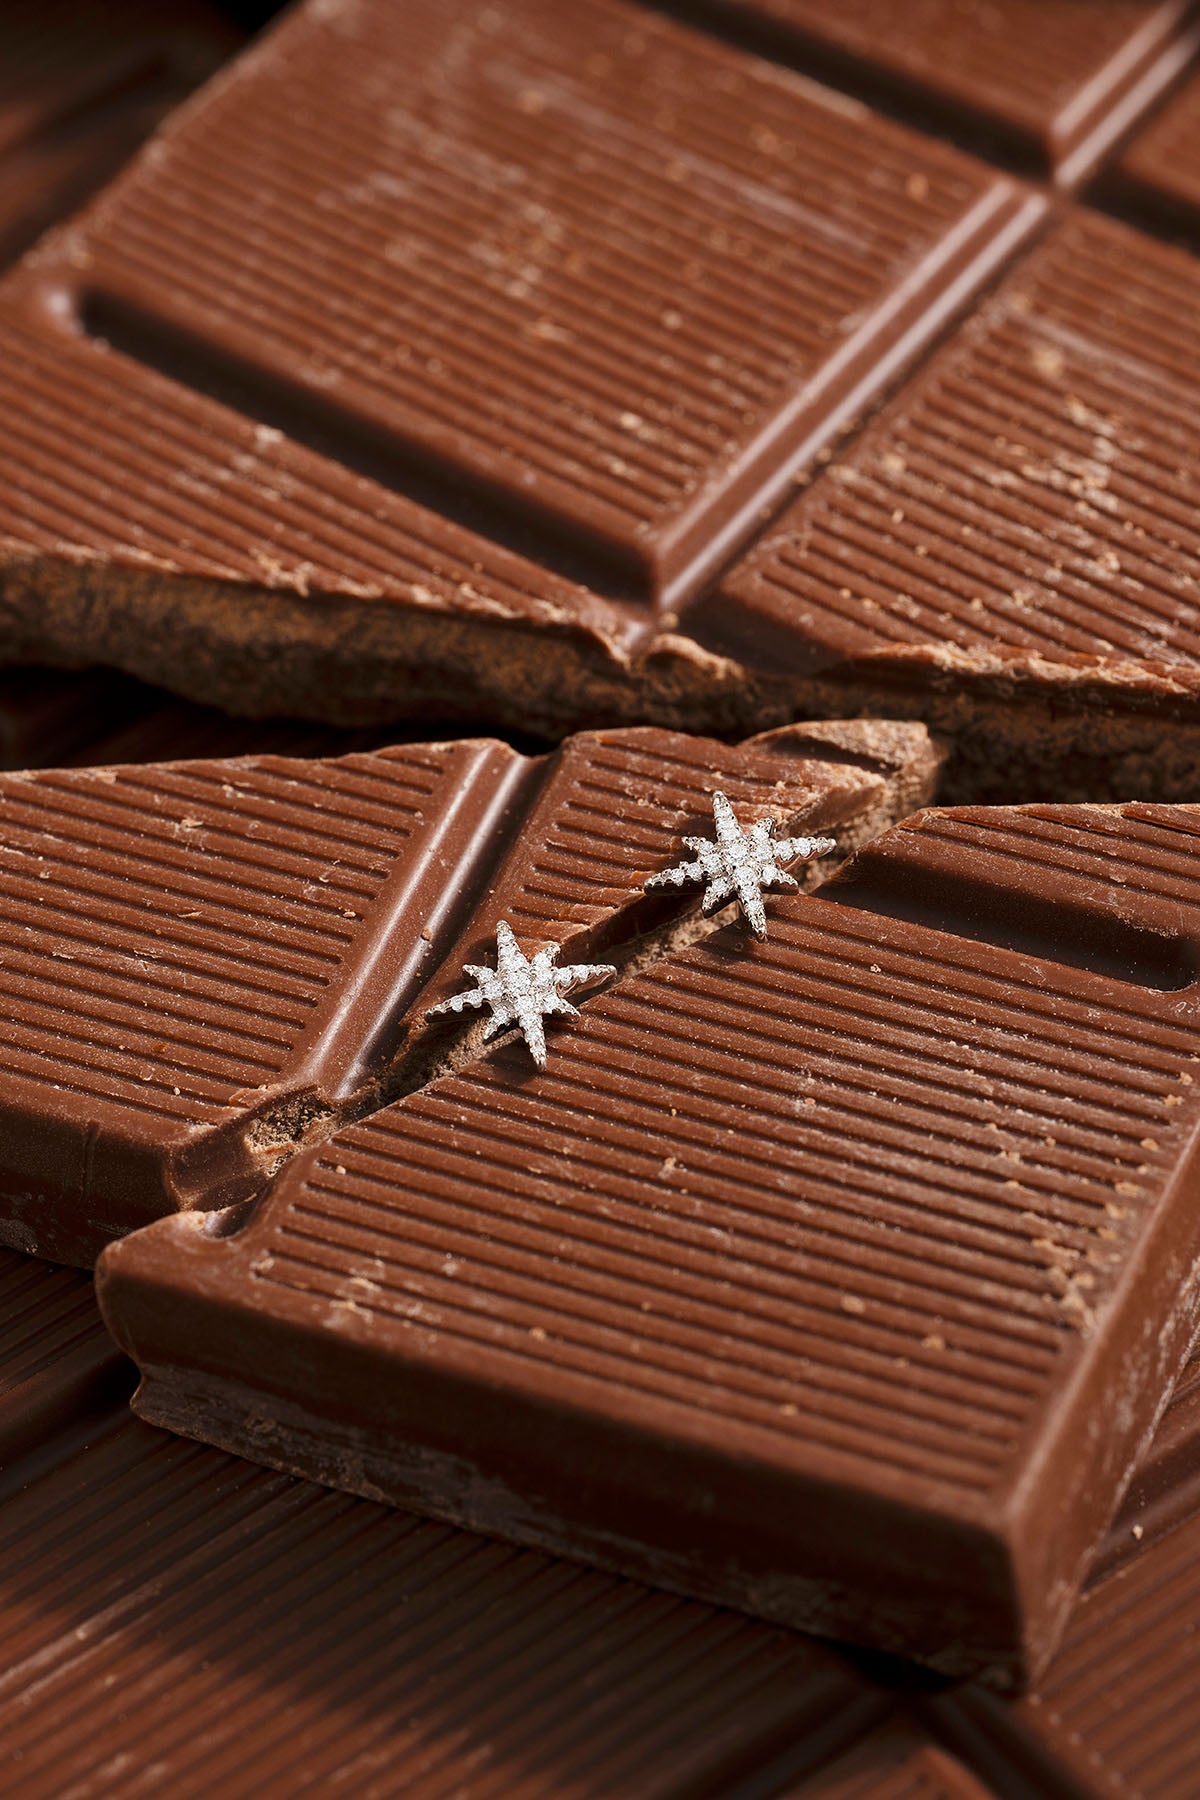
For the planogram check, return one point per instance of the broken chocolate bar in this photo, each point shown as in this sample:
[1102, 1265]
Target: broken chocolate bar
[394, 1657]
[840, 1277]
[1050, 85]
[207, 964]
[1009, 550]
[447, 406]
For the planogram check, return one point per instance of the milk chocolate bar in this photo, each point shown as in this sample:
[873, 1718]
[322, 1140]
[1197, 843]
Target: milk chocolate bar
[433, 1661]
[206, 964]
[1008, 551]
[1115, 1714]
[841, 1277]
[451, 403]
[82, 83]
[265, 1637]
[1047, 84]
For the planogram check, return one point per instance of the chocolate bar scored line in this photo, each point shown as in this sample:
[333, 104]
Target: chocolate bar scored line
[584, 358]
[826, 1297]
[1041, 84]
[342, 1637]
[207, 964]
[1008, 551]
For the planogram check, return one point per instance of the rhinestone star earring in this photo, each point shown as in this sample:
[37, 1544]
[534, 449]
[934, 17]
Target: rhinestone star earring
[521, 992]
[741, 863]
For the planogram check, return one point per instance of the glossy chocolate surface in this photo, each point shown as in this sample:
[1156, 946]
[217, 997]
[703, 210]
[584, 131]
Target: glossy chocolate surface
[1048, 84]
[264, 1633]
[821, 1256]
[199, 962]
[434, 365]
[1157, 178]
[210, 963]
[576, 322]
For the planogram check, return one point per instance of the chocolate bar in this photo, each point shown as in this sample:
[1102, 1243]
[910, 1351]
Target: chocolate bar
[1115, 1714]
[1007, 551]
[264, 1636]
[419, 1655]
[895, 1761]
[208, 964]
[1048, 85]
[1157, 176]
[574, 328]
[82, 82]
[823, 1256]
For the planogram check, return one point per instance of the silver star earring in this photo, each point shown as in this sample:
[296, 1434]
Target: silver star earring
[521, 992]
[741, 863]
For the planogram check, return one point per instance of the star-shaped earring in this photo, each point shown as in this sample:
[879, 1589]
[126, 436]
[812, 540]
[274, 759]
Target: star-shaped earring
[741, 863]
[521, 992]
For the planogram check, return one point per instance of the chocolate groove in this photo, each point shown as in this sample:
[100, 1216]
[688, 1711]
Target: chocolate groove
[413, 472]
[1012, 920]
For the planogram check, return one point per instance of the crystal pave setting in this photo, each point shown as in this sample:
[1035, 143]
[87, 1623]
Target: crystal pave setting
[740, 864]
[521, 992]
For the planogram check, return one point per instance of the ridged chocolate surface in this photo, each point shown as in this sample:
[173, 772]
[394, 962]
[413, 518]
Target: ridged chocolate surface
[58, 1365]
[810, 1250]
[82, 82]
[199, 959]
[179, 1622]
[494, 295]
[206, 959]
[590, 284]
[1116, 1714]
[1048, 80]
[1024, 503]
[616, 804]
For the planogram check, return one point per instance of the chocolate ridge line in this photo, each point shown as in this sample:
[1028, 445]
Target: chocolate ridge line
[638, 932]
[211, 1050]
[1053, 1232]
[919, 322]
[922, 105]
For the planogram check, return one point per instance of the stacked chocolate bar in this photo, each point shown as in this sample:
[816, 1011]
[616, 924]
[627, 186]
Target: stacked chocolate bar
[621, 1025]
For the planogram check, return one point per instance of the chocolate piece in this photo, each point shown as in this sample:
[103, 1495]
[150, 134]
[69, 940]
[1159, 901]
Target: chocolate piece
[59, 1369]
[823, 1257]
[209, 963]
[1158, 176]
[82, 82]
[1115, 1715]
[1009, 551]
[267, 1639]
[1051, 84]
[555, 298]
[201, 960]
[618, 802]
